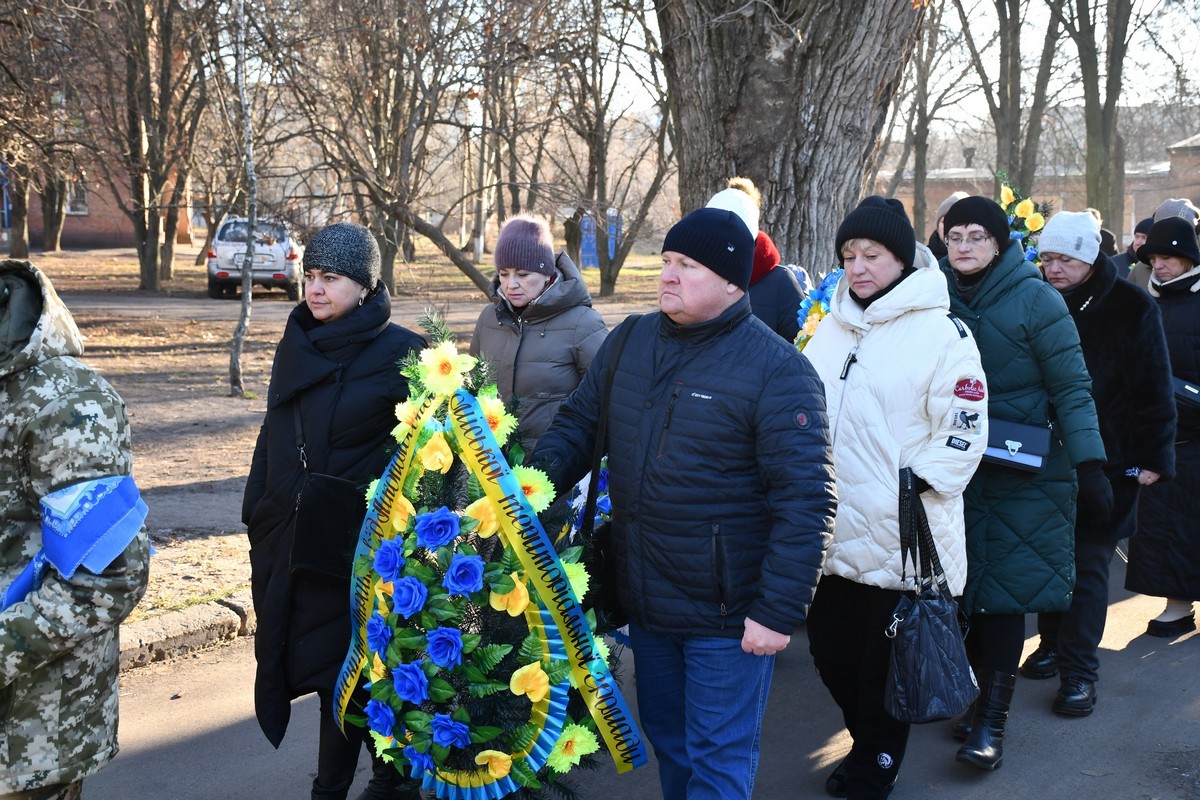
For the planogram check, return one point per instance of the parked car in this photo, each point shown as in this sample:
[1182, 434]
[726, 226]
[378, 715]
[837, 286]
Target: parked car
[277, 258]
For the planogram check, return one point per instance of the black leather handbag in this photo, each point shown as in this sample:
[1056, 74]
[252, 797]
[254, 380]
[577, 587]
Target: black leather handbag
[929, 677]
[329, 514]
[1017, 445]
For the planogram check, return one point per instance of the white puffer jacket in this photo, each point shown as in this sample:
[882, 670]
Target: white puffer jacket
[913, 396]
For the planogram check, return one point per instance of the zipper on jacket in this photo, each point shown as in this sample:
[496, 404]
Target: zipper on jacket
[850, 360]
[662, 440]
[718, 559]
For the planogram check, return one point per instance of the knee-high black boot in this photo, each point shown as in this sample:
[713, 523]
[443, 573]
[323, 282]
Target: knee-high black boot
[984, 747]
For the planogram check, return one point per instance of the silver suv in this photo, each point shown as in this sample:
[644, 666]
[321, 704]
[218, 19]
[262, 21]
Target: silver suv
[277, 258]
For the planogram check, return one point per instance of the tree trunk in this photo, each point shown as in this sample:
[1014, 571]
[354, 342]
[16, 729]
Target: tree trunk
[792, 98]
[18, 197]
[54, 199]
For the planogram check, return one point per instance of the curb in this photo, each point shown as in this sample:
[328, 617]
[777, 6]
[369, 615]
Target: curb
[181, 632]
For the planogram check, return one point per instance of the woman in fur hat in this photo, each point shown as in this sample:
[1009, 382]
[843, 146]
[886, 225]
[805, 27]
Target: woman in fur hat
[1164, 555]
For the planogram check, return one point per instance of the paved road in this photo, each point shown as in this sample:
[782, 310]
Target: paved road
[188, 733]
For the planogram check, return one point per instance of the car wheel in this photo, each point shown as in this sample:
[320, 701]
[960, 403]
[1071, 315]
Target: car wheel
[215, 290]
[293, 292]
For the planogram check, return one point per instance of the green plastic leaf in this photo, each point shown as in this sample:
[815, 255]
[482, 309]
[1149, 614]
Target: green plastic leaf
[531, 649]
[522, 774]
[485, 733]
[440, 691]
[406, 639]
[488, 656]
[557, 670]
[418, 721]
[486, 687]
[470, 641]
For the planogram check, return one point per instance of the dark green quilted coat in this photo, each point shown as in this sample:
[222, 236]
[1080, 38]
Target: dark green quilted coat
[1020, 525]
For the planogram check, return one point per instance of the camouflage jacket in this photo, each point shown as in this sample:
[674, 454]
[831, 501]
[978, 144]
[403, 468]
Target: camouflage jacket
[60, 424]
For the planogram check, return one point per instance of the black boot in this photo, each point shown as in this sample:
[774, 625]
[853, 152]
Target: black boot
[388, 784]
[984, 747]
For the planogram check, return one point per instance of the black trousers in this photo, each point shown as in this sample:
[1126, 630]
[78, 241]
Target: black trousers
[846, 638]
[994, 644]
[337, 753]
[1076, 633]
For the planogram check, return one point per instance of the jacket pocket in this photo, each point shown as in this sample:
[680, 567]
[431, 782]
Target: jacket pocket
[720, 576]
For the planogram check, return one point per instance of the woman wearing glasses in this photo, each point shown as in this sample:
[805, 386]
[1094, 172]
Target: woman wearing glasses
[1019, 524]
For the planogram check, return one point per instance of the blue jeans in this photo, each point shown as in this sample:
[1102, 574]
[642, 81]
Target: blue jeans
[701, 702]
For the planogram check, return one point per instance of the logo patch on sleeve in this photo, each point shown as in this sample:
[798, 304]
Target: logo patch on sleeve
[964, 420]
[958, 444]
[969, 389]
[802, 419]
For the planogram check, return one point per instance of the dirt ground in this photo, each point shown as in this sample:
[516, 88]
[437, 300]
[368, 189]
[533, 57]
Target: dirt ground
[168, 355]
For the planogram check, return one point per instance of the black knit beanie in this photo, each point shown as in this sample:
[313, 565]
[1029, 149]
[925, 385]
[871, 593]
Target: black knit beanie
[345, 249]
[1171, 236]
[1143, 226]
[983, 211]
[881, 220]
[718, 239]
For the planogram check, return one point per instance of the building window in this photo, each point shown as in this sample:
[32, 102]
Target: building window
[76, 196]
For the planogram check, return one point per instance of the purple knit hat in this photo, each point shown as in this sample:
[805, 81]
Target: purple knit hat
[525, 243]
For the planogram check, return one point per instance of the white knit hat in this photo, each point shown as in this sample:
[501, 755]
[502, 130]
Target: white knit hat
[739, 203]
[1072, 233]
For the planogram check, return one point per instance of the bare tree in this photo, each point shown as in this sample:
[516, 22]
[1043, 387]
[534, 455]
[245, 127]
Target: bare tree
[373, 87]
[1017, 118]
[142, 101]
[792, 95]
[236, 389]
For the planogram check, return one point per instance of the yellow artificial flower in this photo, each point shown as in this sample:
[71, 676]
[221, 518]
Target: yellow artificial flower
[1035, 222]
[574, 743]
[383, 589]
[1006, 196]
[483, 511]
[400, 512]
[499, 420]
[514, 602]
[378, 670]
[812, 321]
[443, 367]
[436, 455]
[407, 411]
[577, 576]
[498, 764]
[1024, 208]
[532, 681]
[536, 486]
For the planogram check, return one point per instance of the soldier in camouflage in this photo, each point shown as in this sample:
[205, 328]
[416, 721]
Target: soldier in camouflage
[61, 426]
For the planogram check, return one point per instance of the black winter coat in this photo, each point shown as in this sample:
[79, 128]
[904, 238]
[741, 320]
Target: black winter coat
[720, 472]
[775, 299]
[1120, 327]
[1164, 556]
[344, 375]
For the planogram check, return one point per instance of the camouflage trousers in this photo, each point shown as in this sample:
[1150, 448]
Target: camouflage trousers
[62, 791]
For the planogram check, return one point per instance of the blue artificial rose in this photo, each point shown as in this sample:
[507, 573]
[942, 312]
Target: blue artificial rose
[1015, 234]
[436, 528]
[602, 481]
[379, 634]
[389, 559]
[445, 647]
[1031, 253]
[449, 733]
[604, 504]
[465, 574]
[380, 717]
[411, 684]
[408, 596]
[420, 762]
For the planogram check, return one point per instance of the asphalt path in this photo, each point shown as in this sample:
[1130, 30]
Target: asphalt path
[188, 732]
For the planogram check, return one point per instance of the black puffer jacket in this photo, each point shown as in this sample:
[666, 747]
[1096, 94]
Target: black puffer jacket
[345, 378]
[720, 468]
[1134, 405]
[1164, 556]
[775, 299]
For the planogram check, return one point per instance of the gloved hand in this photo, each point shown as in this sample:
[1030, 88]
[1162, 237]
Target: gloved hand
[1095, 503]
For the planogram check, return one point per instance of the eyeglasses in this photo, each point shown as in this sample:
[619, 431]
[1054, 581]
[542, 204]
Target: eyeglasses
[954, 240]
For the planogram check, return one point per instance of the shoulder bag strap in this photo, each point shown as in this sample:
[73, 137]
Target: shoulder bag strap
[589, 508]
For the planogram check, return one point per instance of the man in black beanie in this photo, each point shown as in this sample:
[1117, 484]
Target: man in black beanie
[722, 490]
